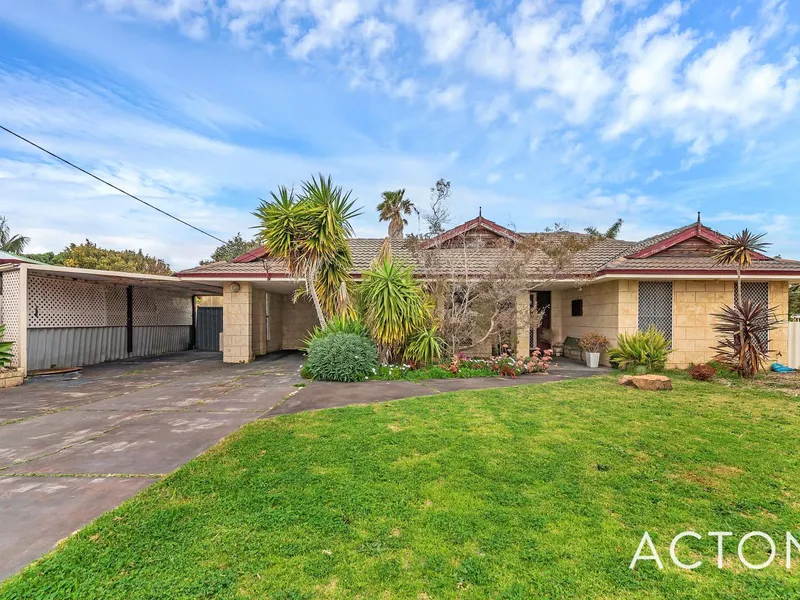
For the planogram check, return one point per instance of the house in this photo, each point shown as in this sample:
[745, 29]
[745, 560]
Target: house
[64, 317]
[670, 281]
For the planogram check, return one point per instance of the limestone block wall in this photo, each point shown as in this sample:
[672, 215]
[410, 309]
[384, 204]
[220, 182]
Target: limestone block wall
[779, 302]
[275, 312]
[601, 311]
[237, 324]
[298, 319]
[693, 306]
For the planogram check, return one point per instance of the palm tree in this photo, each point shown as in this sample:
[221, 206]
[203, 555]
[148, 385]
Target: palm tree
[309, 232]
[738, 251]
[392, 209]
[15, 244]
[611, 233]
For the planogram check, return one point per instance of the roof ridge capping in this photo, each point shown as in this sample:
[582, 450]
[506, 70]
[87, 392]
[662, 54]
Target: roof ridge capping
[662, 242]
[479, 221]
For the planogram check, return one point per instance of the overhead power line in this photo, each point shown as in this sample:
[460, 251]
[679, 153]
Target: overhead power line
[119, 189]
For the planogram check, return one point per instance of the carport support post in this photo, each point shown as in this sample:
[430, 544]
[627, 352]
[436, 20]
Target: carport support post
[22, 340]
[193, 333]
[523, 323]
[237, 322]
[129, 327]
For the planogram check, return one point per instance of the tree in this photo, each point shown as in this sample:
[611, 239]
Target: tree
[393, 208]
[309, 232]
[740, 351]
[476, 304]
[439, 213]
[794, 301]
[739, 251]
[91, 256]
[15, 244]
[236, 246]
[611, 233]
[50, 258]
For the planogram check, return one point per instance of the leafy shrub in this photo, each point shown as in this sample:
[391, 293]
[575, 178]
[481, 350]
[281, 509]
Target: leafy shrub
[425, 346]
[338, 324]
[341, 357]
[648, 349]
[5, 349]
[592, 341]
[702, 372]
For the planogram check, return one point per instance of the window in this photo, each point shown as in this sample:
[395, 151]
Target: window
[758, 293]
[655, 306]
[577, 307]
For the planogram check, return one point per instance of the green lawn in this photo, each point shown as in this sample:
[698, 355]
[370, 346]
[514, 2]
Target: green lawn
[535, 492]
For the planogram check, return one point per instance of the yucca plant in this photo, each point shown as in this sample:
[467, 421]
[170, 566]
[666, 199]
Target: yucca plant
[425, 346]
[393, 304]
[648, 349]
[744, 342]
[6, 348]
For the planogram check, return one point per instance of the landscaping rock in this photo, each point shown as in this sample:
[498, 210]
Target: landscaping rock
[626, 380]
[651, 382]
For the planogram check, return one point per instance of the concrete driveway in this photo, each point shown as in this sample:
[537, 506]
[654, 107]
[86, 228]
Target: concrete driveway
[75, 446]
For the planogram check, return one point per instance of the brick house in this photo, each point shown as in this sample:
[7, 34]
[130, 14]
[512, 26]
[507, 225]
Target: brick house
[669, 280]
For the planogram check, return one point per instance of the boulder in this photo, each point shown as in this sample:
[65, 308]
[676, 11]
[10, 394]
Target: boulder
[651, 382]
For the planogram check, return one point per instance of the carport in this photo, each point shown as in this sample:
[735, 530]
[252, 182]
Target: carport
[64, 317]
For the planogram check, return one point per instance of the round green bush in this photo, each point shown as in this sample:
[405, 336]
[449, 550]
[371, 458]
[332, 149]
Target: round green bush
[341, 357]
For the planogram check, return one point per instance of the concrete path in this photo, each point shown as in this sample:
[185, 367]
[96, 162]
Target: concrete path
[75, 446]
[317, 395]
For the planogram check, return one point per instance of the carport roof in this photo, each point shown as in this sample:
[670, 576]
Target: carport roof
[119, 278]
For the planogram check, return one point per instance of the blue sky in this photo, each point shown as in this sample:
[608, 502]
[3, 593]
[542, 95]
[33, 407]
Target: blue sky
[537, 111]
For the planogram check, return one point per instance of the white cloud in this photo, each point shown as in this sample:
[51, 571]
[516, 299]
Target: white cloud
[445, 30]
[450, 97]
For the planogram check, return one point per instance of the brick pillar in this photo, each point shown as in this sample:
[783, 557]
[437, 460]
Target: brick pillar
[523, 320]
[237, 323]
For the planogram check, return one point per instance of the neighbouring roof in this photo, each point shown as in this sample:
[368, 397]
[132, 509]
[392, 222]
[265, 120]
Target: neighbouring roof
[685, 250]
[10, 258]
[170, 282]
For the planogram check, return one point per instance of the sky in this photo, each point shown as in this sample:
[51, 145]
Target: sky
[536, 111]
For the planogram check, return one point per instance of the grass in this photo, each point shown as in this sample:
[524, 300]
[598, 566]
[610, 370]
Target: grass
[527, 492]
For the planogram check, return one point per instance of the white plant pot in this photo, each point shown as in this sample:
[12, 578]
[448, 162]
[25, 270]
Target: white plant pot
[592, 360]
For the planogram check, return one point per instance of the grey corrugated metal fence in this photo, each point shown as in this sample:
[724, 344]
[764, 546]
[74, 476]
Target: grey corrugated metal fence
[209, 326]
[77, 346]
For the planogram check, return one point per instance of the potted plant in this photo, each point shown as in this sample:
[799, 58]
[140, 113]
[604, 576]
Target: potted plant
[558, 349]
[593, 343]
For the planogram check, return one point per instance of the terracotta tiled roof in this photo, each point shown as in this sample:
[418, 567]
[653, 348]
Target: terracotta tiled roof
[606, 256]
